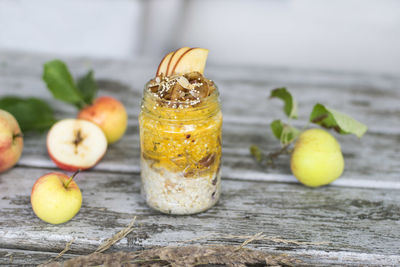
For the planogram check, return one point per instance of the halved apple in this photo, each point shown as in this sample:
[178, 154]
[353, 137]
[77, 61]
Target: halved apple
[75, 144]
[175, 58]
[163, 66]
[192, 60]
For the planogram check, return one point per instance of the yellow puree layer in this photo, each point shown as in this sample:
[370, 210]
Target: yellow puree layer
[191, 146]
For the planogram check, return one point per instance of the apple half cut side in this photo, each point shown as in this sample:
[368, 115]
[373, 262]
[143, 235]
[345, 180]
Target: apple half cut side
[175, 58]
[75, 144]
[163, 66]
[192, 60]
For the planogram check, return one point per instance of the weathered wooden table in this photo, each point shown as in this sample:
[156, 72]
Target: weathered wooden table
[357, 218]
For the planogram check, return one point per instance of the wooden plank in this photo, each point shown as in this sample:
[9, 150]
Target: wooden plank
[16, 257]
[361, 157]
[373, 99]
[358, 225]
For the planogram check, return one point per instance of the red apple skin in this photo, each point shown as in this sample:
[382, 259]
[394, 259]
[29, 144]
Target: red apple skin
[109, 114]
[11, 145]
[163, 66]
[176, 56]
[193, 59]
[179, 59]
[70, 168]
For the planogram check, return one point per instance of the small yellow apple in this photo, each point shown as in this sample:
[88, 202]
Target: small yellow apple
[11, 141]
[109, 114]
[56, 198]
[317, 158]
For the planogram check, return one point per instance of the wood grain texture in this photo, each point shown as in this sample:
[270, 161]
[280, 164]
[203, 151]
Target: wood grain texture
[18, 257]
[370, 162]
[356, 224]
[358, 216]
[374, 100]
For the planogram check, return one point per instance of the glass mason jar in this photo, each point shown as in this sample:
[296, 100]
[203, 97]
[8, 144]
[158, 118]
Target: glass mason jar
[180, 153]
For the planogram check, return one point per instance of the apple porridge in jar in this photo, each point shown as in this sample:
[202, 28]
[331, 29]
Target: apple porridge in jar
[180, 135]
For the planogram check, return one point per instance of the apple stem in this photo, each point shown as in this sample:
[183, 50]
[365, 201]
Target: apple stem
[17, 135]
[72, 177]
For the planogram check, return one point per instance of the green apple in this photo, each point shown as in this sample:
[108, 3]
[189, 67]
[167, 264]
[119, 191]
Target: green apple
[11, 141]
[317, 158]
[56, 198]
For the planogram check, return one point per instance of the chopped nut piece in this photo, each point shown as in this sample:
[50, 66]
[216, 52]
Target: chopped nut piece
[148, 157]
[185, 83]
[177, 92]
[191, 88]
[207, 160]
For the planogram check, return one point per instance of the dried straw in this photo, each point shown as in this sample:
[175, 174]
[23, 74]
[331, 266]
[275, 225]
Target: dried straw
[117, 237]
[67, 247]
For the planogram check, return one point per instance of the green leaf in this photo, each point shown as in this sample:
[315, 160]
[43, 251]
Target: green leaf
[32, 114]
[284, 132]
[290, 107]
[277, 128]
[61, 84]
[88, 87]
[256, 152]
[340, 122]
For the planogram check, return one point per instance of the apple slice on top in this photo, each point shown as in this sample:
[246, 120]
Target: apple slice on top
[182, 61]
[175, 58]
[75, 144]
[192, 60]
[163, 66]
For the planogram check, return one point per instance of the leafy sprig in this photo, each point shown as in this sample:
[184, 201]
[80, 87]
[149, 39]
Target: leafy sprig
[340, 122]
[32, 114]
[290, 105]
[63, 87]
[287, 134]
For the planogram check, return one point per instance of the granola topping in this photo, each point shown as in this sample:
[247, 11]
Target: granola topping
[181, 91]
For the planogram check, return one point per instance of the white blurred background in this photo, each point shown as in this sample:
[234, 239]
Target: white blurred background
[340, 35]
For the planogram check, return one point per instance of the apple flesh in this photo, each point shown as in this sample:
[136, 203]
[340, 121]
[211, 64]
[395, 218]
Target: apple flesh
[56, 198]
[192, 60]
[176, 56]
[183, 60]
[109, 114]
[11, 141]
[163, 66]
[75, 144]
[317, 158]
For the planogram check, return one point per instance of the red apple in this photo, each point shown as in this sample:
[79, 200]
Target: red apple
[11, 141]
[56, 198]
[109, 114]
[75, 144]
